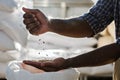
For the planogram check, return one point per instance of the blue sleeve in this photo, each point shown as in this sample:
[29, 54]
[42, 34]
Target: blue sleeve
[118, 41]
[100, 15]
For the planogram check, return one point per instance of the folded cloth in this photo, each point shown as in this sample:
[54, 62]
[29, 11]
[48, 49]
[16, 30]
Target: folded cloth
[16, 70]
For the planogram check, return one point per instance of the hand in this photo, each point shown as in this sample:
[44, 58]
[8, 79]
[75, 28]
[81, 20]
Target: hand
[55, 65]
[36, 22]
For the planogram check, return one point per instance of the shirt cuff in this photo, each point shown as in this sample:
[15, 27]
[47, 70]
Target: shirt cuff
[93, 22]
[118, 41]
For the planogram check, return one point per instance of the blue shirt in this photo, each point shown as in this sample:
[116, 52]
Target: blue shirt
[102, 14]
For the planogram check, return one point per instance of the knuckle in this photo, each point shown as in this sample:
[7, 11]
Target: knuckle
[34, 33]
[24, 22]
[28, 28]
[28, 15]
[23, 15]
[31, 32]
[37, 10]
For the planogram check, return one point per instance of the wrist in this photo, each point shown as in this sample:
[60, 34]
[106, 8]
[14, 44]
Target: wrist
[50, 25]
[67, 63]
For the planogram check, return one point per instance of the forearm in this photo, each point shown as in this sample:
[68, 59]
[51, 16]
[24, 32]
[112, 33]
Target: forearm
[71, 27]
[101, 56]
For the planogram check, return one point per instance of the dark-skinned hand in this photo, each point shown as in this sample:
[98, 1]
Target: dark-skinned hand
[36, 22]
[52, 65]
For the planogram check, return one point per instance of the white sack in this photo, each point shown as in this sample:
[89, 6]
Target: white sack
[8, 56]
[7, 5]
[6, 43]
[105, 70]
[15, 72]
[5, 58]
[12, 22]
[14, 30]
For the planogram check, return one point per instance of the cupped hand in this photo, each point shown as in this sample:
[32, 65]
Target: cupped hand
[31, 69]
[53, 65]
[36, 22]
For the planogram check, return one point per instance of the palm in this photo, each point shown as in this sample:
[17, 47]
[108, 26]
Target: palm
[54, 65]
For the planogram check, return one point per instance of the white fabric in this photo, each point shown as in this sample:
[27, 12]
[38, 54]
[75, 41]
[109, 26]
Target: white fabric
[15, 72]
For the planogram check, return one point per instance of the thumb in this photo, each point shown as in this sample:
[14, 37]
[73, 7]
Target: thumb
[26, 10]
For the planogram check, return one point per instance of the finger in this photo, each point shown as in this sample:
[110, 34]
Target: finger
[29, 20]
[31, 26]
[28, 15]
[34, 11]
[32, 63]
[35, 31]
[31, 68]
[38, 65]
[49, 69]
[25, 10]
[48, 64]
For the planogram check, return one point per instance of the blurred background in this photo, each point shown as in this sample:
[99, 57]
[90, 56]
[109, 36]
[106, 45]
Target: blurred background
[17, 43]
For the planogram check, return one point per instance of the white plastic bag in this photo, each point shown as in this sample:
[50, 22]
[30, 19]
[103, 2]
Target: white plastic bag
[15, 72]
